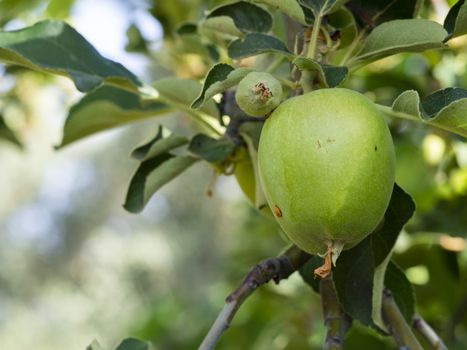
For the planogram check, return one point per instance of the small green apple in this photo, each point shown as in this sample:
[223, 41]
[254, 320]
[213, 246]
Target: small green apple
[258, 93]
[327, 167]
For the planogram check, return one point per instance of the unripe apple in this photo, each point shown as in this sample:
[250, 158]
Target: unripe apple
[245, 174]
[327, 167]
[258, 93]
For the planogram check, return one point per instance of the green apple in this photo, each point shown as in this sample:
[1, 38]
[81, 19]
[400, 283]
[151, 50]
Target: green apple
[258, 93]
[327, 167]
[245, 174]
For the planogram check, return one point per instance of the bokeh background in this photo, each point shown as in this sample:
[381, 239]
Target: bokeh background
[74, 266]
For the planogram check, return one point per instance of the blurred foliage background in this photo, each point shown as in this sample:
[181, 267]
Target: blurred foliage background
[76, 267]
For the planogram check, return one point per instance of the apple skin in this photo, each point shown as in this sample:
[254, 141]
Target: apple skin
[245, 174]
[327, 167]
[258, 93]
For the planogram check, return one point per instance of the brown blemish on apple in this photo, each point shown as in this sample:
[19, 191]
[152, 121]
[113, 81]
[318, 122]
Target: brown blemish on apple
[277, 211]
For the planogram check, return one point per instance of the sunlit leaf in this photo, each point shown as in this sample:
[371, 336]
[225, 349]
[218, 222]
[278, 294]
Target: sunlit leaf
[105, 108]
[55, 47]
[409, 35]
[108, 107]
[444, 109]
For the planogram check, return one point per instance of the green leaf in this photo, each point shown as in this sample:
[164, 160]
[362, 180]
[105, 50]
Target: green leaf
[158, 145]
[408, 35]
[187, 28]
[378, 288]
[256, 43]
[444, 109]
[344, 21]
[320, 7]
[219, 78]
[7, 135]
[400, 210]
[210, 149]
[105, 108]
[456, 20]
[132, 344]
[109, 106]
[289, 7]
[435, 102]
[330, 76]
[151, 175]
[376, 12]
[250, 133]
[219, 30]
[55, 47]
[180, 93]
[135, 40]
[94, 346]
[190, 44]
[373, 251]
[59, 8]
[402, 290]
[247, 17]
[353, 279]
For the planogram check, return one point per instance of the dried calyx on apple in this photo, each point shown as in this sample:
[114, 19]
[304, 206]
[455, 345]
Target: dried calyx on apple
[327, 167]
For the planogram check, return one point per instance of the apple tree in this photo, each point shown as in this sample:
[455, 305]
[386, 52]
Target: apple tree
[308, 104]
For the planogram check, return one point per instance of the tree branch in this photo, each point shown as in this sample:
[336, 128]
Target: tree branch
[428, 333]
[276, 269]
[396, 323]
[337, 323]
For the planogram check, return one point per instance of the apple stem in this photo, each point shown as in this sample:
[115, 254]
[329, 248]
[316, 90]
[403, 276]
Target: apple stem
[314, 37]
